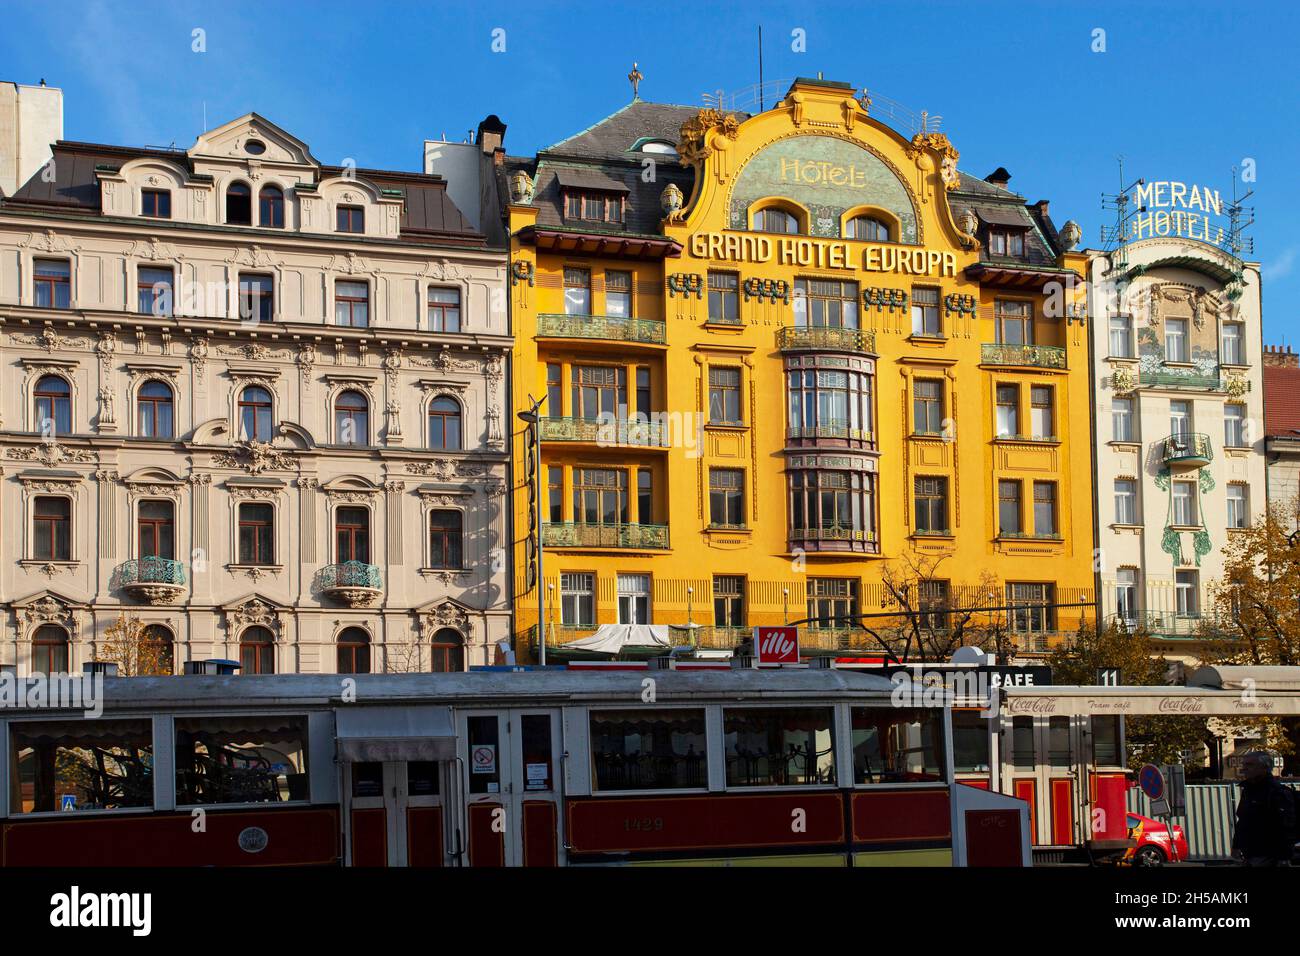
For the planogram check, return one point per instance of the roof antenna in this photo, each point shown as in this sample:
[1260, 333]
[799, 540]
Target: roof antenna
[635, 79]
[760, 67]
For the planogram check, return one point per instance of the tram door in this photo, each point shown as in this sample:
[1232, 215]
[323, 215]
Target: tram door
[510, 781]
[395, 813]
[1043, 769]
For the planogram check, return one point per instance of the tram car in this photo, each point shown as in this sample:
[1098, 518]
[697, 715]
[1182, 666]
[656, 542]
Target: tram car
[555, 767]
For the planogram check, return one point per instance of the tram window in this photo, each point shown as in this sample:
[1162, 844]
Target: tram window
[1058, 741]
[260, 759]
[970, 742]
[368, 779]
[648, 750]
[1105, 741]
[484, 755]
[80, 765]
[535, 733]
[897, 745]
[778, 747]
[422, 778]
[1022, 742]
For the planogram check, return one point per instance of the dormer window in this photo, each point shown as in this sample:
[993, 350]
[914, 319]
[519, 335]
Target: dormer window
[660, 147]
[1006, 242]
[351, 219]
[156, 203]
[593, 206]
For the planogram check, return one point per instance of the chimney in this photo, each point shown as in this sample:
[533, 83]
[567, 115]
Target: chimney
[491, 135]
[1041, 207]
[1280, 356]
[999, 177]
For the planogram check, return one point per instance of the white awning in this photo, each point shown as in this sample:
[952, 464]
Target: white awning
[421, 732]
[613, 638]
[1246, 677]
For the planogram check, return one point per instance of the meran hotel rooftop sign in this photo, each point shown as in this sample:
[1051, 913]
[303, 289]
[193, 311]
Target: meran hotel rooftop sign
[822, 253]
[1168, 208]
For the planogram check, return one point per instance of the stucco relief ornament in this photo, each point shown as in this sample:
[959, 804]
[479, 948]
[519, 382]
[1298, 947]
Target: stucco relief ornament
[1236, 386]
[695, 143]
[49, 454]
[1123, 380]
[968, 223]
[446, 615]
[350, 264]
[47, 241]
[199, 354]
[670, 200]
[1070, 235]
[255, 457]
[948, 156]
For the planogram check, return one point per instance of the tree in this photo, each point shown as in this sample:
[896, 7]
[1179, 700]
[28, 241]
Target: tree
[1150, 739]
[935, 617]
[128, 643]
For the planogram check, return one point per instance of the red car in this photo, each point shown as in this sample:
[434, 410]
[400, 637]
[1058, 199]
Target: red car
[1151, 845]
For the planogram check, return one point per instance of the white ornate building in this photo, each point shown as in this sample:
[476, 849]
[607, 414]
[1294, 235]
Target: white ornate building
[255, 402]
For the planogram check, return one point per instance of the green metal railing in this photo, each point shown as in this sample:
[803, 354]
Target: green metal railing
[798, 338]
[829, 428]
[1187, 447]
[571, 534]
[604, 431]
[1170, 623]
[616, 327]
[831, 534]
[1031, 356]
[151, 570]
[350, 574]
[1182, 379]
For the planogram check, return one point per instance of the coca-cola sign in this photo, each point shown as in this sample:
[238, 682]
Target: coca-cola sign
[1181, 705]
[776, 645]
[1031, 705]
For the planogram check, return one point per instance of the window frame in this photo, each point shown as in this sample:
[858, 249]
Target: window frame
[48, 527]
[350, 219]
[352, 302]
[445, 417]
[256, 559]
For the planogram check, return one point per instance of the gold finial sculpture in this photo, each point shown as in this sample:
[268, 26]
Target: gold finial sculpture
[635, 79]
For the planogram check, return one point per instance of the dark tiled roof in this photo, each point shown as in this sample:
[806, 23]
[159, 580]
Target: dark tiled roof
[614, 136]
[997, 204]
[642, 212]
[1281, 400]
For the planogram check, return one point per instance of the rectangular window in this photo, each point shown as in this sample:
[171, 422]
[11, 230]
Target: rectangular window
[484, 733]
[645, 497]
[727, 497]
[832, 602]
[934, 599]
[599, 390]
[1187, 593]
[1042, 418]
[554, 389]
[555, 494]
[156, 203]
[1023, 751]
[1184, 495]
[1234, 425]
[241, 760]
[154, 291]
[931, 505]
[970, 742]
[52, 283]
[648, 750]
[1125, 501]
[1232, 345]
[578, 599]
[444, 309]
[1121, 336]
[898, 744]
[644, 400]
[1126, 593]
[1238, 506]
[618, 294]
[634, 599]
[256, 298]
[352, 304]
[1031, 609]
[778, 746]
[256, 534]
[156, 530]
[927, 406]
[1006, 242]
[600, 495]
[724, 298]
[1045, 523]
[446, 539]
[1008, 507]
[724, 396]
[52, 528]
[925, 311]
[577, 291]
[351, 219]
[1014, 321]
[728, 600]
[70, 765]
[1121, 419]
[825, 303]
[1180, 418]
[1175, 340]
[1106, 749]
[1008, 411]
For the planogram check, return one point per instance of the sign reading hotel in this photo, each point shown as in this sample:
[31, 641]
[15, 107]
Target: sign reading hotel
[822, 253]
[1185, 211]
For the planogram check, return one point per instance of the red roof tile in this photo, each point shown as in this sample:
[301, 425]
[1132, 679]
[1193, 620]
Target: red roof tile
[1281, 400]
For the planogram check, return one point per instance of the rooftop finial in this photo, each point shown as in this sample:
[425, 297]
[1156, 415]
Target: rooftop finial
[635, 78]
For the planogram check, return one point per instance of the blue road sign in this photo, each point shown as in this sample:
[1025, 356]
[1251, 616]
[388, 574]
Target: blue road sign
[1152, 781]
[68, 801]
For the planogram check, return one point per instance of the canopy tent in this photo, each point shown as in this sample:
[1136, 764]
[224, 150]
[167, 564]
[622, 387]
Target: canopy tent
[628, 640]
[420, 732]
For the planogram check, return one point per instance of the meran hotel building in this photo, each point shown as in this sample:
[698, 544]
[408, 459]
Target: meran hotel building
[781, 364]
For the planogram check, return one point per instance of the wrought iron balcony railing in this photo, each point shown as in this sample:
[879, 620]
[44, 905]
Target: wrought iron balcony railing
[151, 570]
[831, 534]
[1029, 356]
[1169, 623]
[573, 534]
[1182, 378]
[617, 327]
[829, 428]
[350, 574]
[1187, 448]
[805, 338]
[604, 431]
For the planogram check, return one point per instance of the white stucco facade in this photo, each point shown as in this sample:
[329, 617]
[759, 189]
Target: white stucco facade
[31, 118]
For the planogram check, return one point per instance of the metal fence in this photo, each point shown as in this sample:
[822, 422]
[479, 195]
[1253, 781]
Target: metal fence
[1211, 816]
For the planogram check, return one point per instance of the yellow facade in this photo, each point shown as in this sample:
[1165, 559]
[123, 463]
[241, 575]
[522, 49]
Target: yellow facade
[858, 512]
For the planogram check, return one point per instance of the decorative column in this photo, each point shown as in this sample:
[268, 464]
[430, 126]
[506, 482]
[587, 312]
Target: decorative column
[307, 487]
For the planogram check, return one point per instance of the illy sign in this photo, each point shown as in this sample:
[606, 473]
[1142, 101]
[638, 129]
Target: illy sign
[776, 645]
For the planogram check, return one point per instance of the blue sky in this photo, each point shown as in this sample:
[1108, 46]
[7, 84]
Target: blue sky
[1184, 90]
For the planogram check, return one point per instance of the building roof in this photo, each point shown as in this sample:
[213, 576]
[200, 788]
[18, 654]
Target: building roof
[1281, 401]
[614, 136]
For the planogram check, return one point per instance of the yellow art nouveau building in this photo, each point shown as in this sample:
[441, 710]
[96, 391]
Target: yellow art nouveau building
[783, 358]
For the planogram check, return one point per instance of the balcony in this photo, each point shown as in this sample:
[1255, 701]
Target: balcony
[831, 428]
[1023, 356]
[611, 432]
[624, 536]
[835, 539]
[803, 338]
[1169, 624]
[353, 583]
[1189, 449]
[558, 325]
[153, 580]
[1183, 378]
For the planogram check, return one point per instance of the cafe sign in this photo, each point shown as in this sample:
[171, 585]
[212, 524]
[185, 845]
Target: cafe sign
[802, 252]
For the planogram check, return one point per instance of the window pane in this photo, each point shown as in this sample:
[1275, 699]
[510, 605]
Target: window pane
[241, 759]
[648, 750]
[898, 745]
[778, 746]
[100, 764]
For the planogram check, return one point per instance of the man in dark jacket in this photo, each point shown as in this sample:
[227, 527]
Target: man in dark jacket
[1266, 819]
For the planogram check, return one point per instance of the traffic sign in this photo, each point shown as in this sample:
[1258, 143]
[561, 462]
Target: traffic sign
[1152, 781]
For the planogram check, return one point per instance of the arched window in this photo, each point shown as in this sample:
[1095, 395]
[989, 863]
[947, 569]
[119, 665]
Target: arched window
[255, 414]
[155, 652]
[444, 424]
[239, 205]
[256, 651]
[447, 652]
[53, 411]
[154, 410]
[867, 229]
[50, 650]
[354, 651]
[351, 419]
[270, 207]
[775, 219]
